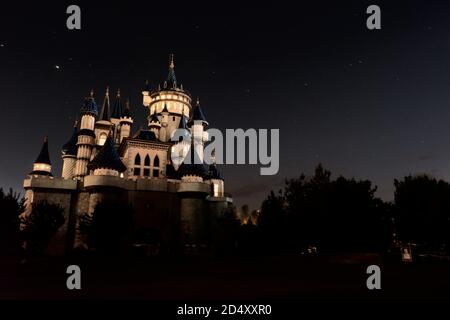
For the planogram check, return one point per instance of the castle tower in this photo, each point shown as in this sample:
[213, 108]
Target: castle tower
[104, 125]
[154, 125]
[192, 192]
[42, 165]
[171, 96]
[181, 148]
[116, 114]
[198, 124]
[69, 154]
[216, 180]
[125, 122]
[164, 118]
[86, 136]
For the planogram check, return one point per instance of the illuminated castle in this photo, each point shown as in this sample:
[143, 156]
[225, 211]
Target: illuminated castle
[104, 161]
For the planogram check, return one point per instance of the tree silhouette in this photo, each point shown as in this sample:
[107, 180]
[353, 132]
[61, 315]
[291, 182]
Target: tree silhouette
[272, 223]
[422, 210]
[108, 229]
[39, 227]
[10, 207]
[335, 215]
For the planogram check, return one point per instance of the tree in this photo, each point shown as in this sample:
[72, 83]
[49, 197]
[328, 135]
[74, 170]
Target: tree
[108, 229]
[272, 223]
[422, 210]
[39, 227]
[336, 215]
[10, 207]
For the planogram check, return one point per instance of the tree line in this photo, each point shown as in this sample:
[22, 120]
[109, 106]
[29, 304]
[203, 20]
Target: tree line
[321, 212]
[344, 214]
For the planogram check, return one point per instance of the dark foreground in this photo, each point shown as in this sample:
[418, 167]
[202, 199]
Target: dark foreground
[206, 279]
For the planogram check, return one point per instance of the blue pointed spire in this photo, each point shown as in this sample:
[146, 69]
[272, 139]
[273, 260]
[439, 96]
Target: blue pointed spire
[182, 124]
[105, 114]
[118, 107]
[198, 114]
[107, 158]
[70, 147]
[42, 165]
[127, 111]
[89, 106]
[44, 156]
[171, 80]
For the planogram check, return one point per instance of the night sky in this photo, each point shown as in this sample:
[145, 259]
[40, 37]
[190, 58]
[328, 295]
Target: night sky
[368, 104]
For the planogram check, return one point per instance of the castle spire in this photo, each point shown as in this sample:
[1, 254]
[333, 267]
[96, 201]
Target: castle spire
[42, 164]
[118, 108]
[107, 158]
[198, 114]
[171, 78]
[70, 147]
[127, 112]
[104, 114]
[89, 106]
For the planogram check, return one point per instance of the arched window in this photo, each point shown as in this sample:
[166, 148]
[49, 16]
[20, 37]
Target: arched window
[137, 160]
[147, 166]
[156, 167]
[137, 165]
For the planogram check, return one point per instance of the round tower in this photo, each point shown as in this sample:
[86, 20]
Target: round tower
[198, 125]
[181, 148]
[86, 136]
[154, 125]
[125, 122]
[69, 154]
[169, 96]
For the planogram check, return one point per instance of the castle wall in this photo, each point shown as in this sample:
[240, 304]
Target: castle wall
[44, 190]
[180, 213]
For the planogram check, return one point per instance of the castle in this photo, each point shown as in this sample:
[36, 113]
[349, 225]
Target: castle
[104, 161]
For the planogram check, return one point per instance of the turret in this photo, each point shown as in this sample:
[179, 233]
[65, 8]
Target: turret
[42, 165]
[118, 111]
[164, 116]
[86, 136]
[216, 179]
[125, 122]
[107, 161]
[154, 125]
[146, 94]
[104, 125]
[198, 124]
[69, 154]
[105, 111]
[181, 148]
[169, 97]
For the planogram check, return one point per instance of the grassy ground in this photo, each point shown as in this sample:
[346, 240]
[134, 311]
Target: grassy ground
[201, 278]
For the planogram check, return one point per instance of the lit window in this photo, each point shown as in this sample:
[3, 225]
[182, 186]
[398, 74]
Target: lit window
[216, 190]
[102, 139]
